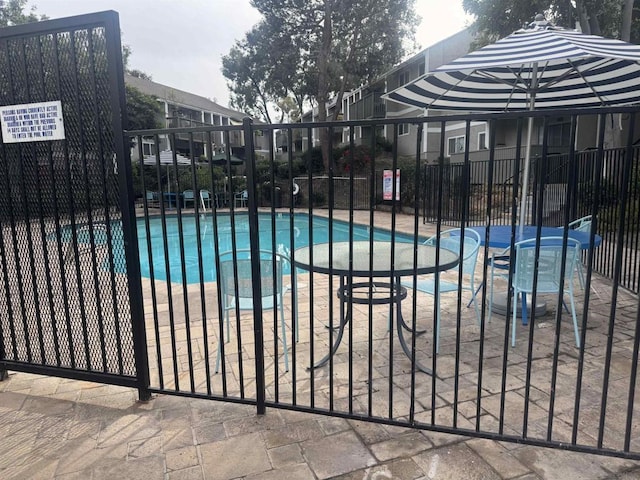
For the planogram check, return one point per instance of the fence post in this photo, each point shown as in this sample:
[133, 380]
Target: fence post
[127, 207]
[254, 242]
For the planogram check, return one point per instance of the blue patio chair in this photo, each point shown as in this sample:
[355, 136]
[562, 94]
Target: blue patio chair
[241, 198]
[236, 290]
[582, 225]
[152, 199]
[542, 271]
[452, 240]
[188, 197]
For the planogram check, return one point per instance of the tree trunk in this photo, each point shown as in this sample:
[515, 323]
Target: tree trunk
[583, 18]
[323, 84]
[352, 48]
[627, 16]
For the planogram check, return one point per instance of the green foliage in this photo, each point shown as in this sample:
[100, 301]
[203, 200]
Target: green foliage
[312, 160]
[408, 175]
[143, 111]
[383, 144]
[203, 178]
[609, 202]
[12, 12]
[137, 181]
[297, 169]
[308, 50]
[150, 179]
[609, 218]
[358, 160]
[608, 195]
[498, 18]
[263, 172]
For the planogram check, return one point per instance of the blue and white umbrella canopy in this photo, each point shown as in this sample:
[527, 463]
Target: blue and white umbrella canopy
[541, 67]
[533, 68]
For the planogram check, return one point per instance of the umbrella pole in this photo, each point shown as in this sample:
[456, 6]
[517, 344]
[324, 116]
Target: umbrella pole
[525, 178]
[527, 155]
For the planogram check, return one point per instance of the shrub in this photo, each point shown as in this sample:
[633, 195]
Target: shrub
[263, 172]
[297, 168]
[312, 160]
[383, 144]
[358, 159]
[608, 194]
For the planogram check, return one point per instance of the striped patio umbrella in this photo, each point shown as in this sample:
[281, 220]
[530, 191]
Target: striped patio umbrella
[539, 67]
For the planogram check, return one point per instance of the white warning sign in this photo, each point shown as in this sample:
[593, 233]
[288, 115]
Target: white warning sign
[32, 122]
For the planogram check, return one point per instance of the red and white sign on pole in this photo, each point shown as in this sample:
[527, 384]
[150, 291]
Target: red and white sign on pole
[387, 185]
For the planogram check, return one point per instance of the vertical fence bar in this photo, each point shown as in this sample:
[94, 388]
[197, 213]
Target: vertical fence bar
[254, 241]
[127, 205]
[312, 380]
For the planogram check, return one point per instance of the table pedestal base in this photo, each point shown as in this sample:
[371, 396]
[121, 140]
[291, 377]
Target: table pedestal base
[499, 306]
[374, 293]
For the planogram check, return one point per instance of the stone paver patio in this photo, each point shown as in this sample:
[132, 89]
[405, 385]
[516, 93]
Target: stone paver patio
[64, 429]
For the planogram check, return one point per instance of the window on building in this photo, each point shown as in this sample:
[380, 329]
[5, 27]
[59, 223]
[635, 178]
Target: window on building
[559, 133]
[403, 129]
[421, 69]
[148, 149]
[403, 77]
[456, 145]
[482, 141]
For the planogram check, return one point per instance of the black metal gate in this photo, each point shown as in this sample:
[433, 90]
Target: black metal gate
[67, 306]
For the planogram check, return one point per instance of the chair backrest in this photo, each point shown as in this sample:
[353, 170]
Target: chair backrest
[187, 195]
[547, 263]
[205, 195]
[582, 224]
[270, 263]
[151, 196]
[451, 240]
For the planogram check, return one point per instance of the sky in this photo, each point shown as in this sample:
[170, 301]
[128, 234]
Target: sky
[180, 43]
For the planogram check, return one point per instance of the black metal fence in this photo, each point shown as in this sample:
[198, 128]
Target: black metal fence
[303, 280]
[355, 337]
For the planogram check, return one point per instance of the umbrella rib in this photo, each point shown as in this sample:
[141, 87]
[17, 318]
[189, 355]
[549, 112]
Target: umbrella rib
[574, 69]
[514, 86]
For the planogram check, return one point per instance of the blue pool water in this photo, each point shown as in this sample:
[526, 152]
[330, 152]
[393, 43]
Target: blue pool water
[283, 227]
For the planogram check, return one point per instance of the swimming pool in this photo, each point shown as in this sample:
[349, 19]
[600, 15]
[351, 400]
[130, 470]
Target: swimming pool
[283, 225]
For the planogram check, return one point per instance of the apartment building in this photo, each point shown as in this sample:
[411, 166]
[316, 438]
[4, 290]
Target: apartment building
[367, 102]
[184, 109]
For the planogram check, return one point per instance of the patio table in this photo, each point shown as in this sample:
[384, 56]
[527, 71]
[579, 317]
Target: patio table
[374, 261]
[500, 237]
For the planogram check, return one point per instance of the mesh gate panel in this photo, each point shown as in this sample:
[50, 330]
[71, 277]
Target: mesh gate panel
[64, 295]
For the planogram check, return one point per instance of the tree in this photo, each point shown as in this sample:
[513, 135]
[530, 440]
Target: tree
[143, 111]
[609, 18]
[315, 50]
[12, 13]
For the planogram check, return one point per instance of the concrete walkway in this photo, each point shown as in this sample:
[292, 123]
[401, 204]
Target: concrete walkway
[53, 428]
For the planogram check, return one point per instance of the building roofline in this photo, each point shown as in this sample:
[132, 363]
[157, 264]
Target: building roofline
[177, 96]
